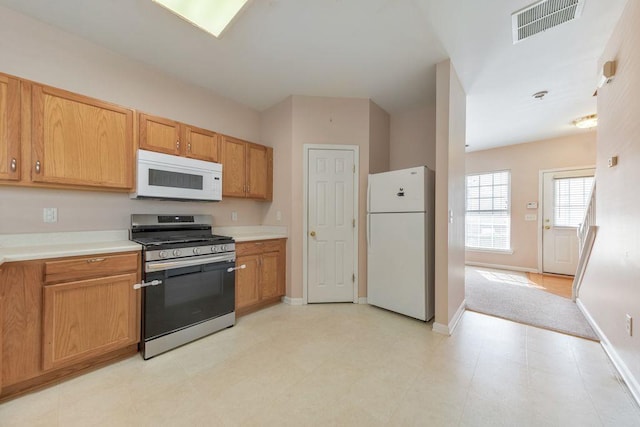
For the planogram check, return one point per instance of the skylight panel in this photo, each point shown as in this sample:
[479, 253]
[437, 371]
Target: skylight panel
[212, 16]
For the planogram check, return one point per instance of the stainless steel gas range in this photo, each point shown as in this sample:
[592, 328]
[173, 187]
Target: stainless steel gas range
[188, 280]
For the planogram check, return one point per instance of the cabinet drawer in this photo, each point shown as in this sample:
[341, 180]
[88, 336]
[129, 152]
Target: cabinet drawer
[258, 247]
[87, 267]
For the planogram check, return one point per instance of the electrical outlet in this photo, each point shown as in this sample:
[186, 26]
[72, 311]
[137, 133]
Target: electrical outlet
[629, 324]
[50, 215]
[278, 216]
[234, 216]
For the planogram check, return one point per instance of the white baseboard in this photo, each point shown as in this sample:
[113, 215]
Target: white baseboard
[617, 361]
[362, 300]
[448, 329]
[292, 301]
[502, 267]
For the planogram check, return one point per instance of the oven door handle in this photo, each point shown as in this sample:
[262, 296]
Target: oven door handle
[240, 267]
[151, 267]
[145, 284]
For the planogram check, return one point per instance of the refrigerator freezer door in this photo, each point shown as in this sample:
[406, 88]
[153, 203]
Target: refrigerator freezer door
[396, 263]
[397, 191]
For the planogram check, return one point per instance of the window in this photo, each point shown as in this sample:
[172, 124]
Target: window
[488, 219]
[571, 197]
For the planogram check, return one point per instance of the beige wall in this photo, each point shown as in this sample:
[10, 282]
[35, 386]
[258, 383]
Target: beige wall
[413, 138]
[525, 161]
[611, 286]
[319, 120]
[379, 138]
[449, 236]
[277, 132]
[36, 51]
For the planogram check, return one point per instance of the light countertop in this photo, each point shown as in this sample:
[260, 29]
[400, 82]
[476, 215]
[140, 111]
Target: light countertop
[30, 246]
[252, 232]
[25, 247]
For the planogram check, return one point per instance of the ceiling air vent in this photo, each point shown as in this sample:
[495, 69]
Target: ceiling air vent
[543, 15]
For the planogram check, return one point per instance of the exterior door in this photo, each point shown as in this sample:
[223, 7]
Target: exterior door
[331, 222]
[565, 198]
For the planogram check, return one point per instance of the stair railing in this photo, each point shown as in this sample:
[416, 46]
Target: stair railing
[586, 237]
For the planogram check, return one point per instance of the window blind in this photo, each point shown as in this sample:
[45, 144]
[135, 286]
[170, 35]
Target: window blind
[488, 218]
[571, 197]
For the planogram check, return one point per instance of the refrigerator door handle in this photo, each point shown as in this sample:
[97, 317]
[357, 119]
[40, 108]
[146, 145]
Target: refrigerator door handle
[369, 230]
[368, 196]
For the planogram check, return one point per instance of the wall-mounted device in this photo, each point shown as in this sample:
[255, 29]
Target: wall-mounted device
[608, 72]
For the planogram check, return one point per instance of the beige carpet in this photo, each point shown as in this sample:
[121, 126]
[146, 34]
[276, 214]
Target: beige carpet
[506, 294]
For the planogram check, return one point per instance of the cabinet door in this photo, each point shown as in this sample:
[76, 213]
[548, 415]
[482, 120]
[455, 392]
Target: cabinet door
[269, 272]
[247, 281]
[20, 321]
[201, 144]
[160, 134]
[88, 318]
[233, 153]
[80, 141]
[258, 177]
[9, 128]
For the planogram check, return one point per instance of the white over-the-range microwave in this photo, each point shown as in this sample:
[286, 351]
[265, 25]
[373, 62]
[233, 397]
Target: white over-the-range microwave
[163, 176]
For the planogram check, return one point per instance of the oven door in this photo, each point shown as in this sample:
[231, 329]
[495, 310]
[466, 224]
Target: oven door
[189, 291]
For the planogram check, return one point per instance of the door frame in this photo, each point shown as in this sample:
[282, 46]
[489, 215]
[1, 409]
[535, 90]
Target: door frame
[541, 203]
[305, 207]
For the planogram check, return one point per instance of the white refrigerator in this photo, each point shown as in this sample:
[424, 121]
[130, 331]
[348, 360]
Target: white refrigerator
[400, 233]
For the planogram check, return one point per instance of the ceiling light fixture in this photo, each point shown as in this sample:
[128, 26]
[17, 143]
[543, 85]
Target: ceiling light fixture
[586, 122]
[212, 16]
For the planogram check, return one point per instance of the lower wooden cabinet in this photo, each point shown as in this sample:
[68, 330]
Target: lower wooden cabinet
[87, 318]
[20, 322]
[61, 316]
[262, 281]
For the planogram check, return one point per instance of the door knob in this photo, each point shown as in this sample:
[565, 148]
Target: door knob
[312, 234]
[547, 227]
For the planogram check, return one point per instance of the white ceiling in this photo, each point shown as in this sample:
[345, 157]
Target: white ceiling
[385, 50]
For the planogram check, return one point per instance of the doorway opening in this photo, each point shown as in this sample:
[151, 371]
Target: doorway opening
[564, 198]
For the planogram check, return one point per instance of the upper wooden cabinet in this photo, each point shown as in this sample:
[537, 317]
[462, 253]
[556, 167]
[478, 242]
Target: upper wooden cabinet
[171, 137]
[247, 169]
[9, 128]
[80, 141]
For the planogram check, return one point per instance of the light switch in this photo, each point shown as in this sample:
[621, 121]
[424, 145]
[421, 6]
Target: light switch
[279, 216]
[234, 216]
[530, 217]
[532, 205]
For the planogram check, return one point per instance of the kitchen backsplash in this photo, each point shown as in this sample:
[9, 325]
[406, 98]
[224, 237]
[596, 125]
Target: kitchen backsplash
[21, 210]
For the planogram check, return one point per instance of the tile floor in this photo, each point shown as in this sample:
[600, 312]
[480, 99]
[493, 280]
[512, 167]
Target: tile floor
[345, 364]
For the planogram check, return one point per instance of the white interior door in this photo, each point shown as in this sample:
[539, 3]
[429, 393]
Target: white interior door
[331, 237]
[565, 197]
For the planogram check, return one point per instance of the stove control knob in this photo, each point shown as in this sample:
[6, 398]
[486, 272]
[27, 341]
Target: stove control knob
[223, 248]
[196, 251]
[177, 252]
[214, 249]
[162, 254]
